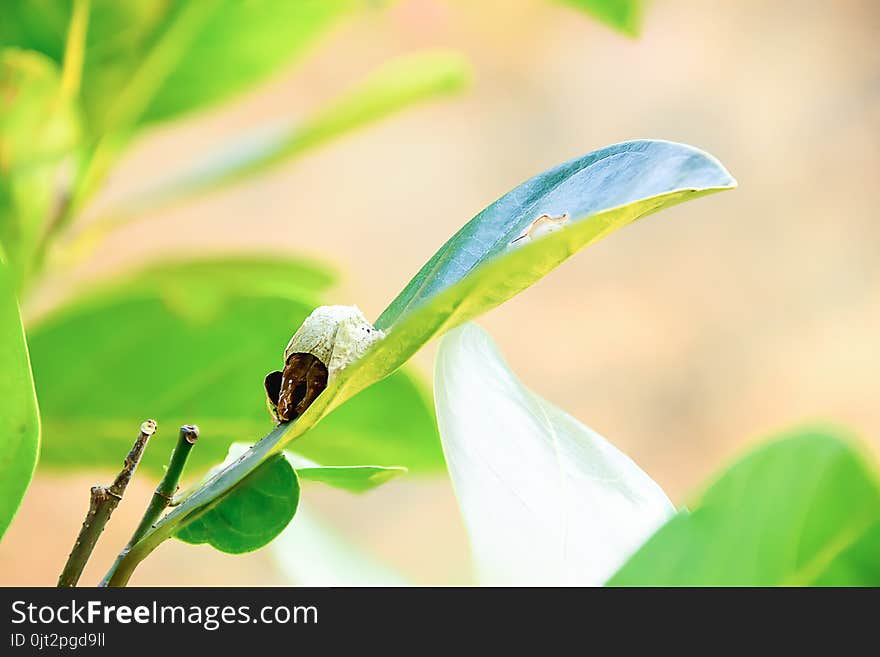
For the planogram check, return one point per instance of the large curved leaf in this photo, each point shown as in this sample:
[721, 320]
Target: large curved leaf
[478, 268]
[546, 500]
[191, 343]
[476, 271]
[802, 510]
[19, 419]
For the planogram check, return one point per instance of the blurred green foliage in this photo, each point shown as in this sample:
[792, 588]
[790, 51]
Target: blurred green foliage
[39, 128]
[186, 55]
[623, 15]
[802, 510]
[192, 341]
[396, 85]
[185, 341]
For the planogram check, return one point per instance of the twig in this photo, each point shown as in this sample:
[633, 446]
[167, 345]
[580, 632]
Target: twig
[102, 503]
[196, 503]
[163, 495]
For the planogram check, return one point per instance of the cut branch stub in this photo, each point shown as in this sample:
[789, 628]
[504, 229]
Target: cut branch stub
[103, 500]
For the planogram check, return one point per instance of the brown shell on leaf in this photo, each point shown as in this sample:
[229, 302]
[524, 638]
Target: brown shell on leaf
[292, 391]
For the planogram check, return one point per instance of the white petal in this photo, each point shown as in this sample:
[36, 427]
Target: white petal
[546, 500]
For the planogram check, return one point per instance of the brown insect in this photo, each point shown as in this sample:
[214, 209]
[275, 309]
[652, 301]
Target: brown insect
[291, 391]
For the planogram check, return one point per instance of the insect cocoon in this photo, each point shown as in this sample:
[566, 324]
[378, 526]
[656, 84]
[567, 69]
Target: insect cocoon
[335, 335]
[329, 340]
[543, 225]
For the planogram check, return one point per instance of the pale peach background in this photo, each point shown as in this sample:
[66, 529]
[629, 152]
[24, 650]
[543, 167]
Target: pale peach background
[682, 339]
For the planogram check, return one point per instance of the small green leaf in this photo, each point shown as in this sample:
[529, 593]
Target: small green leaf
[802, 510]
[476, 271]
[253, 513]
[19, 418]
[353, 478]
[191, 343]
[623, 15]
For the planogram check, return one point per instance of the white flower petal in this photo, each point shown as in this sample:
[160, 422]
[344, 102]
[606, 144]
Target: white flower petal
[546, 500]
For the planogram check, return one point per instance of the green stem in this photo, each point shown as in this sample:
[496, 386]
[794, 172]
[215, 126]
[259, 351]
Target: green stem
[102, 503]
[75, 48]
[168, 486]
[163, 495]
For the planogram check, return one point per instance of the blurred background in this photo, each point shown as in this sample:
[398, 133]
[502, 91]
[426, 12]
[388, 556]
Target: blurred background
[682, 339]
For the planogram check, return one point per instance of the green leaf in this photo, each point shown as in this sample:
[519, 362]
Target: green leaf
[623, 15]
[857, 565]
[476, 271]
[38, 129]
[228, 48]
[600, 192]
[395, 86]
[252, 514]
[240, 45]
[352, 478]
[191, 343]
[802, 510]
[19, 418]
